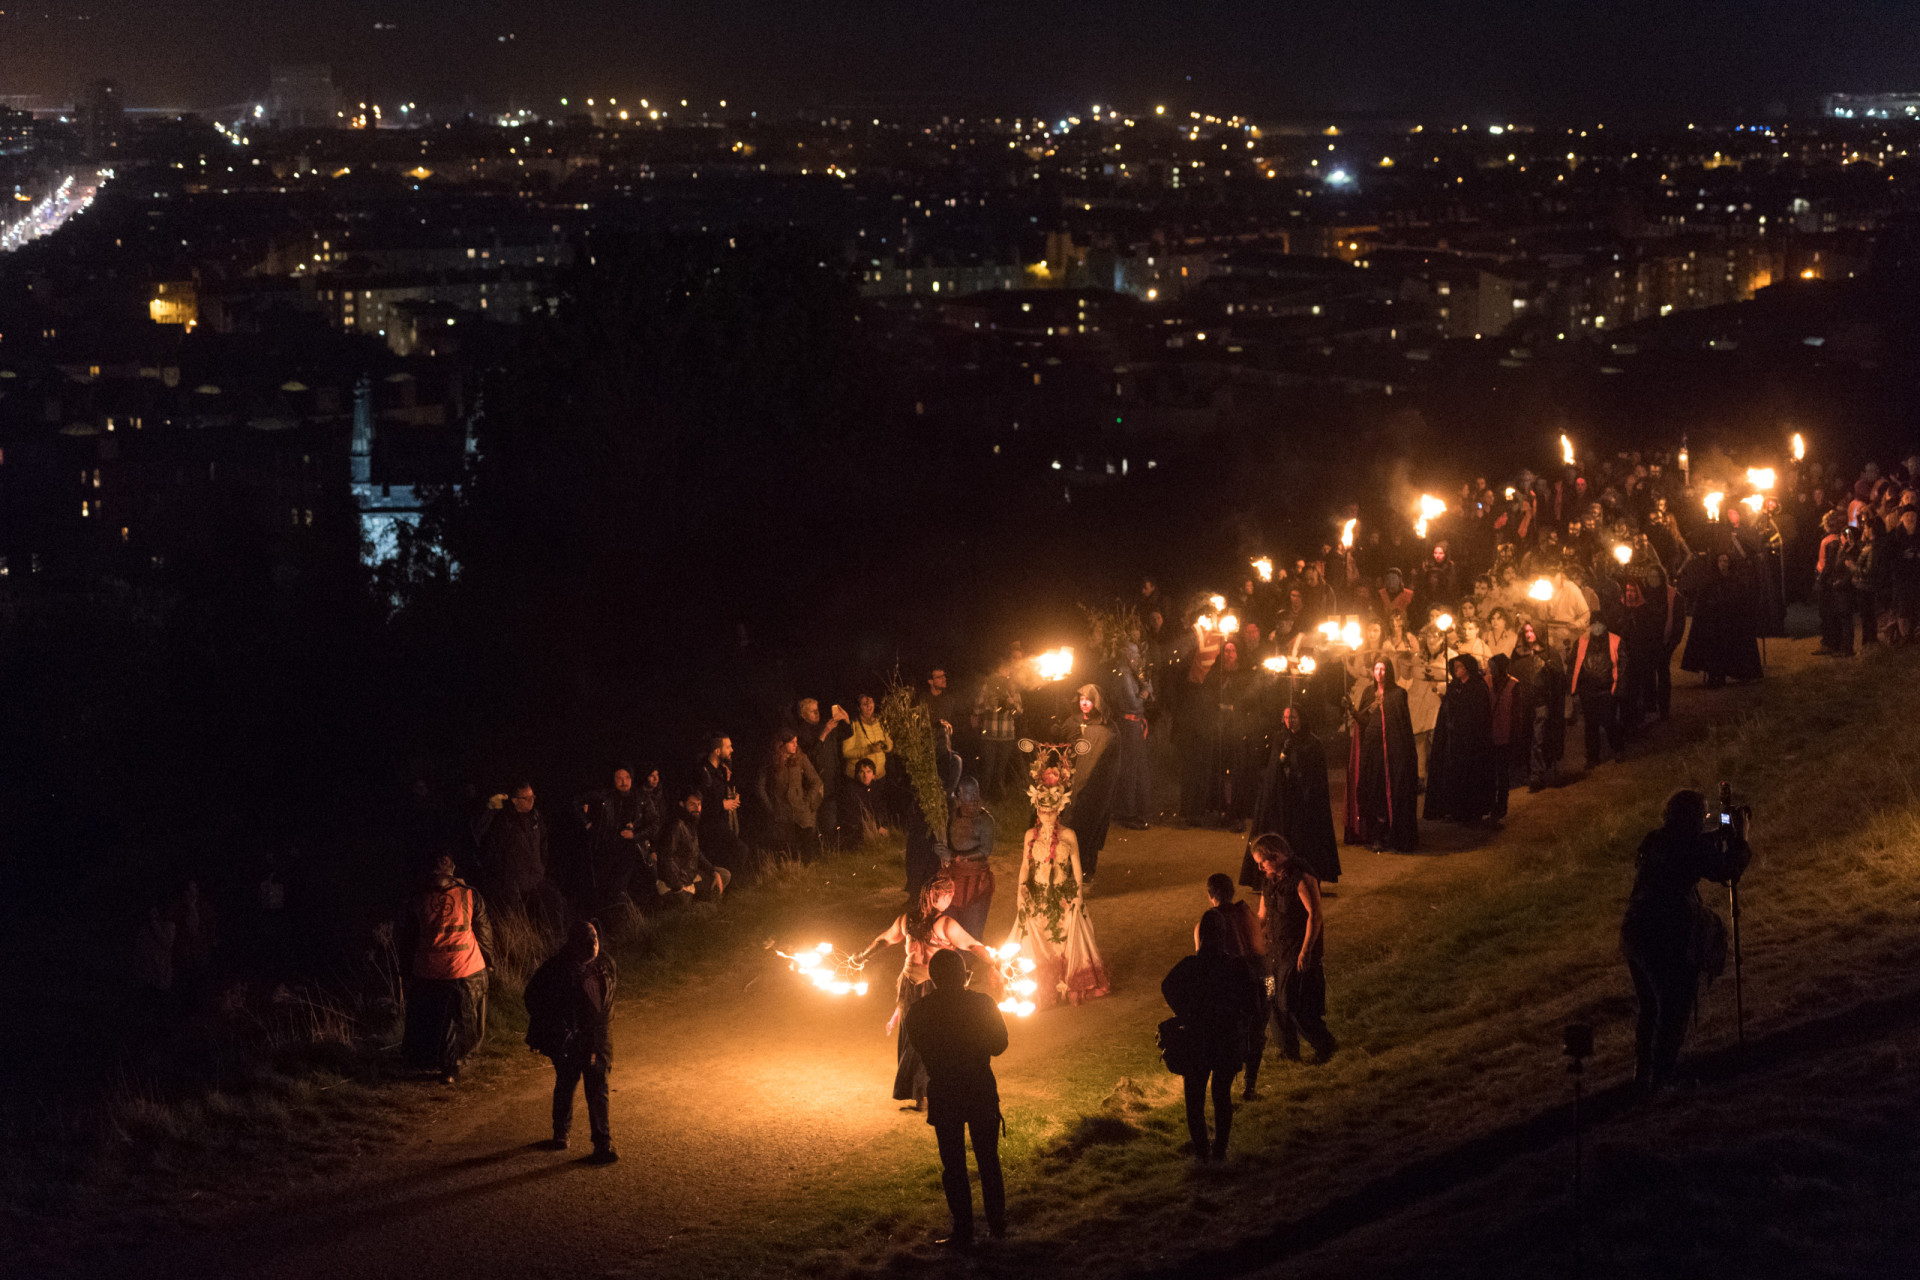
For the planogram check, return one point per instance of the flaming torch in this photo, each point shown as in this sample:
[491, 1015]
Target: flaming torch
[1229, 623]
[1218, 602]
[1624, 554]
[1346, 535]
[1264, 567]
[1276, 664]
[1761, 478]
[1431, 508]
[1054, 664]
[1713, 501]
[1566, 450]
[1799, 447]
[1753, 502]
[1350, 634]
[832, 971]
[1016, 979]
[1541, 590]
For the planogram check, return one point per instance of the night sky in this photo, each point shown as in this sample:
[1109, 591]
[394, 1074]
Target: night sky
[1475, 58]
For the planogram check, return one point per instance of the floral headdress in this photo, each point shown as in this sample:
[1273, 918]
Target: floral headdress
[1052, 771]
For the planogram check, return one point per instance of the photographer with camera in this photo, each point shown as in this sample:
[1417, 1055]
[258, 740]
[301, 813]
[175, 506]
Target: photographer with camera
[1669, 937]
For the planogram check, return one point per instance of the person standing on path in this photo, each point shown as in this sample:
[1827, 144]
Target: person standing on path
[958, 1033]
[569, 1013]
[445, 935]
[926, 931]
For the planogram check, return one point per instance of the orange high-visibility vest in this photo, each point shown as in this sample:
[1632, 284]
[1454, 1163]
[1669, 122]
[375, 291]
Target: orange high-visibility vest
[1580, 660]
[448, 948]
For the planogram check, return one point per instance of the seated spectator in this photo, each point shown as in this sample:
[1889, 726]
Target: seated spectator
[683, 872]
[863, 809]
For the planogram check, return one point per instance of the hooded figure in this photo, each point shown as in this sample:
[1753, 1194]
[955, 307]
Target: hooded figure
[1091, 809]
[1293, 802]
[1724, 644]
[1382, 769]
[1460, 770]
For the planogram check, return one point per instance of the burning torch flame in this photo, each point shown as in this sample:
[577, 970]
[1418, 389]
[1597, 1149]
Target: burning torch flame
[1566, 449]
[1431, 508]
[1204, 622]
[1713, 504]
[1306, 666]
[1542, 589]
[1055, 664]
[1799, 447]
[1444, 622]
[1624, 554]
[1346, 535]
[1510, 492]
[1350, 635]
[1276, 664]
[1218, 602]
[1753, 501]
[1264, 567]
[1761, 478]
[1229, 624]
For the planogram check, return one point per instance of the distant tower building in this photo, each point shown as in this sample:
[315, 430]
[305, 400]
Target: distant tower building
[303, 98]
[103, 120]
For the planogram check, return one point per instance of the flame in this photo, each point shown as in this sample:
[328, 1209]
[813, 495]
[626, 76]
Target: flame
[1229, 624]
[1204, 622]
[1054, 664]
[1566, 450]
[1753, 501]
[1713, 502]
[1761, 478]
[1016, 980]
[1306, 666]
[1330, 629]
[1510, 492]
[1623, 553]
[1431, 508]
[1444, 622]
[1346, 535]
[1799, 447]
[1542, 589]
[827, 969]
[1264, 567]
[1218, 602]
[1276, 664]
[1350, 635]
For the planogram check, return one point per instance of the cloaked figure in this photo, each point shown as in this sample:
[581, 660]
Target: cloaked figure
[1382, 769]
[1724, 642]
[1460, 770]
[1294, 803]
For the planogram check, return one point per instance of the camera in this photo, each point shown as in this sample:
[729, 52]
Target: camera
[1576, 1041]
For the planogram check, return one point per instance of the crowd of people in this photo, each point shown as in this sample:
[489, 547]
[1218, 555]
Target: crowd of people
[1444, 664]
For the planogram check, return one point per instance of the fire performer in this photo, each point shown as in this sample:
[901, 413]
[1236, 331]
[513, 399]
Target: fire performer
[1050, 920]
[925, 930]
[1382, 769]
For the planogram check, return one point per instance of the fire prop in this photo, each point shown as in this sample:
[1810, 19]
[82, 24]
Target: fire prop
[1713, 501]
[1444, 622]
[1264, 568]
[1229, 623]
[1431, 508]
[1753, 502]
[1280, 665]
[1761, 478]
[1624, 554]
[1349, 635]
[1566, 450]
[1016, 978]
[1346, 534]
[834, 972]
[1799, 448]
[1542, 589]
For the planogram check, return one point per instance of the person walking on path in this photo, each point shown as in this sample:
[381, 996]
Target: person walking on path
[1293, 934]
[569, 1013]
[958, 1033]
[1216, 999]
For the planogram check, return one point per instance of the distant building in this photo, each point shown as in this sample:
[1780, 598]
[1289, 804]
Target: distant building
[303, 97]
[1873, 106]
[103, 120]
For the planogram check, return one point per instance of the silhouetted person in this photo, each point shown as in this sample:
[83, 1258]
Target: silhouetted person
[958, 1033]
[513, 855]
[569, 1015]
[1669, 937]
[1217, 1000]
[444, 937]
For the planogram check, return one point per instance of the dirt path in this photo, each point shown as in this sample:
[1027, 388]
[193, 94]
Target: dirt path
[740, 1102]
